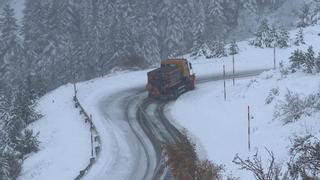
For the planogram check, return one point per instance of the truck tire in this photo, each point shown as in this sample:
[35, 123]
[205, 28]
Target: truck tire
[175, 94]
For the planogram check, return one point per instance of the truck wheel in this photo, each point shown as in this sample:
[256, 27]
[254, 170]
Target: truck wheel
[175, 94]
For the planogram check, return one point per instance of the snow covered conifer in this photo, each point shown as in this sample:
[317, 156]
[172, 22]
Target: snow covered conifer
[262, 35]
[250, 5]
[272, 37]
[219, 49]
[4, 167]
[216, 27]
[233, 49]
[305, 61]
[10, 46]
[299, 38]
[317, 63]
[283, 38]
[304, 17]
[296, 59]
[316, 14]
[309, 60]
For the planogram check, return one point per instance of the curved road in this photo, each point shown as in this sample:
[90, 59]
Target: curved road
[142, 123]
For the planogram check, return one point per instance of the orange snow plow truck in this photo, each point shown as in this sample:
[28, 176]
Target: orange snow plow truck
[172, 79]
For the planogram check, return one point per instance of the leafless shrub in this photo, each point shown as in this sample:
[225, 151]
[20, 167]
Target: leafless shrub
[255, 165]
[292, 108]
[305, 158]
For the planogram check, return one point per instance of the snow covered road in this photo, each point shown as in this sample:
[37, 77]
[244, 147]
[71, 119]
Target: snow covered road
[140, 127]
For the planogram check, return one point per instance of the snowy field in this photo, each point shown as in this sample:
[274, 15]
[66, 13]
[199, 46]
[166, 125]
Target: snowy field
[218, 126]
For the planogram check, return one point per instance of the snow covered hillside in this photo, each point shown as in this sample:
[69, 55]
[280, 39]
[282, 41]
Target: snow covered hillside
[220, 127]
[64, 139]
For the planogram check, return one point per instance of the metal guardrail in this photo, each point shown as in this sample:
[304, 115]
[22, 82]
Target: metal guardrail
[95, 138]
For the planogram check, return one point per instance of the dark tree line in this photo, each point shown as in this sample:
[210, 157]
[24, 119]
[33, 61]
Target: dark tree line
[17, 99]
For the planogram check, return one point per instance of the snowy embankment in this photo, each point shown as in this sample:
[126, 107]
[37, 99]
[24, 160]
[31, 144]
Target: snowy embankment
[220, 127]
[65, 138]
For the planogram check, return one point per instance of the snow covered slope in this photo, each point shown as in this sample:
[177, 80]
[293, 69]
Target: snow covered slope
[64, 139]
[220, 127]
[64, 135]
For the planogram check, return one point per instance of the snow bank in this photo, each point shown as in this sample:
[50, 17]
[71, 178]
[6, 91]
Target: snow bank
[64, 137]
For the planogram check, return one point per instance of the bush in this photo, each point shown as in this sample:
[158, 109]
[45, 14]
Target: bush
[273, 92]
[185, 164]
[255, 166]
[28, 142]
[305, 61]
[305, 158]
[291, 109]
[284, 71]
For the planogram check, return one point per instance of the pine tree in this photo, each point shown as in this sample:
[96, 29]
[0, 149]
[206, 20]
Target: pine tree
[198, 27]
[173, 33]
[233, 49]
[250, 5]
[309, 61]
[216, 28]
[317, 63]
[262, 36]
[150, 44]
[297, 59]
[283, 38]
[304, 17]
[219, 49]
[299, 38]
[10, 46]
[272, 39]
[316, 14]
[4, 167]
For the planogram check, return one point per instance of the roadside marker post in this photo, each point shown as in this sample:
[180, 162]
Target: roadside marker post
[249, 131]
[274, 56]
[233, 75]
[224, 82]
